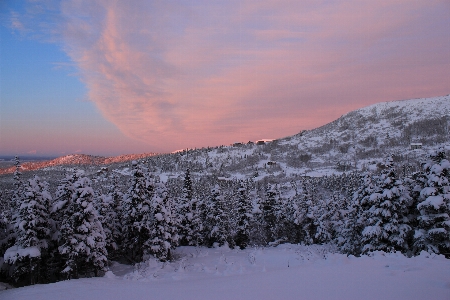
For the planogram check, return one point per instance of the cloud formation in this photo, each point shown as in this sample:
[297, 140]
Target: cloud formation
[180, 74]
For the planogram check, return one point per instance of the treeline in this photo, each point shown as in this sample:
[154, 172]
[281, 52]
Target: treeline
[76, 230]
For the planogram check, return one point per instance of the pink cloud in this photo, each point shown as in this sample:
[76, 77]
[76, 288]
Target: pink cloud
[181, 75]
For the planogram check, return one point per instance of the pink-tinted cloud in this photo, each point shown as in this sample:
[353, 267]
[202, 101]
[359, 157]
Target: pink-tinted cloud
[177, 74]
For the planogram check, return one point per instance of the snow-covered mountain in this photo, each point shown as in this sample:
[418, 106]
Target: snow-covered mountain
[357, 140]
[393, 124]
[376, 131]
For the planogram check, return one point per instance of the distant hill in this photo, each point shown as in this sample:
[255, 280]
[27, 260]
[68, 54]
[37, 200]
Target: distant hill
[76, 159]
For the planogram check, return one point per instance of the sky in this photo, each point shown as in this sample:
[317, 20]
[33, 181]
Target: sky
[109, 77]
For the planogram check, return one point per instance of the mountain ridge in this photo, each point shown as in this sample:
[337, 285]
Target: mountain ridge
[77, 159]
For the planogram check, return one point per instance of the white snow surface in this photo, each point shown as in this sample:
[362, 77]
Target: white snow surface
[283, 272]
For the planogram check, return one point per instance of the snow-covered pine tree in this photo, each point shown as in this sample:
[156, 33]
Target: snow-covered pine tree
[61, 202]
[433, 232]
[217, 219]
[116, 194]
[4, 223]
[304, 213]
[203, 196]
[311, 201]
[292, 228]
[195, 229]
[354, 221]
[270, 213]
[322, 222]
[418, 181]
[189, 222]
[136, 214]
[337, 214]
[63, 197]
[163, 235]
[16, 199]
[110, 222]
[33, 234]
[115, 190]
[244, 216]
[82, 236]
[258, 231]
[292, 215]
[200, 226]
[387, 226]
[12, 212]
[329, 219]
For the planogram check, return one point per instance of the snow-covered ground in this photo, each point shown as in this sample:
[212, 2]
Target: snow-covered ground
[283, 272]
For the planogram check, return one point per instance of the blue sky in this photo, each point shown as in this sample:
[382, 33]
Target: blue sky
[44, 108]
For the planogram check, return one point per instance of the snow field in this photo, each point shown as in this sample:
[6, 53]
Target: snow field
[283, 272]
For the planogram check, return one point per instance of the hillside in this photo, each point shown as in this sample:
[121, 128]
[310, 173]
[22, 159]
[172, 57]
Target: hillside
[358, 140]
[387, 125]
[76, 159]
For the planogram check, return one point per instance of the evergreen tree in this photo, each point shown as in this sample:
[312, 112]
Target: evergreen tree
[83, 239]
[304, 213]
[164, 237]
[33, 233]
[190, 223]
[244, 210]
[4, 223]
[63, 198]
[433, 232]
[11, 215]
[293, 216]
[200, 223]
[110, 222]
[257, 228]
[322, 223]
[218, 219]
[270, 212]
[184, 209]
[354, 222]
[116, 207]
[17, 197]
[387, 226]
[329, 219]
[136, 214]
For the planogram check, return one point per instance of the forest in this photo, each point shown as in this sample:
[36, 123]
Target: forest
[77, 224]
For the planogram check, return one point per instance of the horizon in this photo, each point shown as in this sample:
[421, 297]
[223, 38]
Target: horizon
[109, 79]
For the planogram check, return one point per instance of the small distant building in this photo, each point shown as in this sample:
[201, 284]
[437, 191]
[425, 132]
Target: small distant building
[264, 141]
[237, 144]
[416, 146]
[250, 143]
